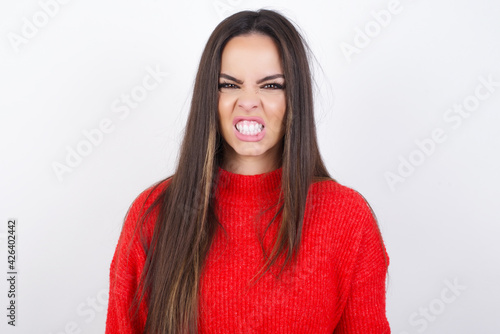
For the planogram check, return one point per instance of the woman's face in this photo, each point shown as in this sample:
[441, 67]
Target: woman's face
[252, 100]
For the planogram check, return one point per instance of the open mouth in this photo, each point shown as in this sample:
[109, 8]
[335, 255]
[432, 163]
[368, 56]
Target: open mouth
[249, 128]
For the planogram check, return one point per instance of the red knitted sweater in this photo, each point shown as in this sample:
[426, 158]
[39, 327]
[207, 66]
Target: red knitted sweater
[336, 286]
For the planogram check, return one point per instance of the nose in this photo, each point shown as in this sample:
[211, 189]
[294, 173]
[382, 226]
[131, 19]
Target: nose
[248, 101]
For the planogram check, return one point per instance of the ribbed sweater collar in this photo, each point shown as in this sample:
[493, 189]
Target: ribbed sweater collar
[237, 186]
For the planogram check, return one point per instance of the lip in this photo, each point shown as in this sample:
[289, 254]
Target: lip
[251, 138]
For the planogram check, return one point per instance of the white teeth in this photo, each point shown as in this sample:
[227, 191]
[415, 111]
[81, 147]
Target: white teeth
[251, 128]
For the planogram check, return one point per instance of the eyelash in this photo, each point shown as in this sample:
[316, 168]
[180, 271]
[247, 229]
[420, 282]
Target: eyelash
[233, 86]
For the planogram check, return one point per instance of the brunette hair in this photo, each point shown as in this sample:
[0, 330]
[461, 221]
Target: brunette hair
[186, 222]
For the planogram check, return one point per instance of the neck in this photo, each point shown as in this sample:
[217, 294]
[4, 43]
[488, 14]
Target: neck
[250, 165]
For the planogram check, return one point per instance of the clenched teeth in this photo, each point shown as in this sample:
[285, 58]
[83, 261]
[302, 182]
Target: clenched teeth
[249, 127]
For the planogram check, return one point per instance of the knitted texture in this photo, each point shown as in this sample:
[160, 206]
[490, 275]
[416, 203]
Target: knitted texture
[337, 284]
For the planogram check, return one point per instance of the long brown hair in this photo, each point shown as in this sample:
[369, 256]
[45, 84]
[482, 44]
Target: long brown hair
[186, 222]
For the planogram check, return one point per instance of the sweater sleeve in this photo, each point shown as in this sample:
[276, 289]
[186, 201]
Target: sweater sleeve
[125, 272]
[365, 310]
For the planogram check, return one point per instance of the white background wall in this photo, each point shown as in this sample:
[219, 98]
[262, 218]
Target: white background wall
[397, 88]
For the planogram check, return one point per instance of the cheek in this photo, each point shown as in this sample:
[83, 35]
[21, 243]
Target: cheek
[276, 104]
[225, 109]
[226, 105]
[276, 108]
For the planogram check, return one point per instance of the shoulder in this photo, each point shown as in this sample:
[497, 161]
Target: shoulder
[147, 198]
[144, 210]
[345, 215]
[342, 211]
[345, 201]
[134, 228]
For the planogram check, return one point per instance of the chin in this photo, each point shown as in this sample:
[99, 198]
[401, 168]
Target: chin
[250, 151]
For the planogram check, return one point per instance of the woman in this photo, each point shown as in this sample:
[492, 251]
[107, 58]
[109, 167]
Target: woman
[250, 235]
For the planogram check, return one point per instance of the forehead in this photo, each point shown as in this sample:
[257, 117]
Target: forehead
[251, 52]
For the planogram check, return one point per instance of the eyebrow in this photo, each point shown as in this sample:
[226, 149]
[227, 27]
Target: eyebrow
[269, 77]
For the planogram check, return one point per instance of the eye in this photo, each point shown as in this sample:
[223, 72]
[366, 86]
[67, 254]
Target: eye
[227, 85]
[273, 85]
